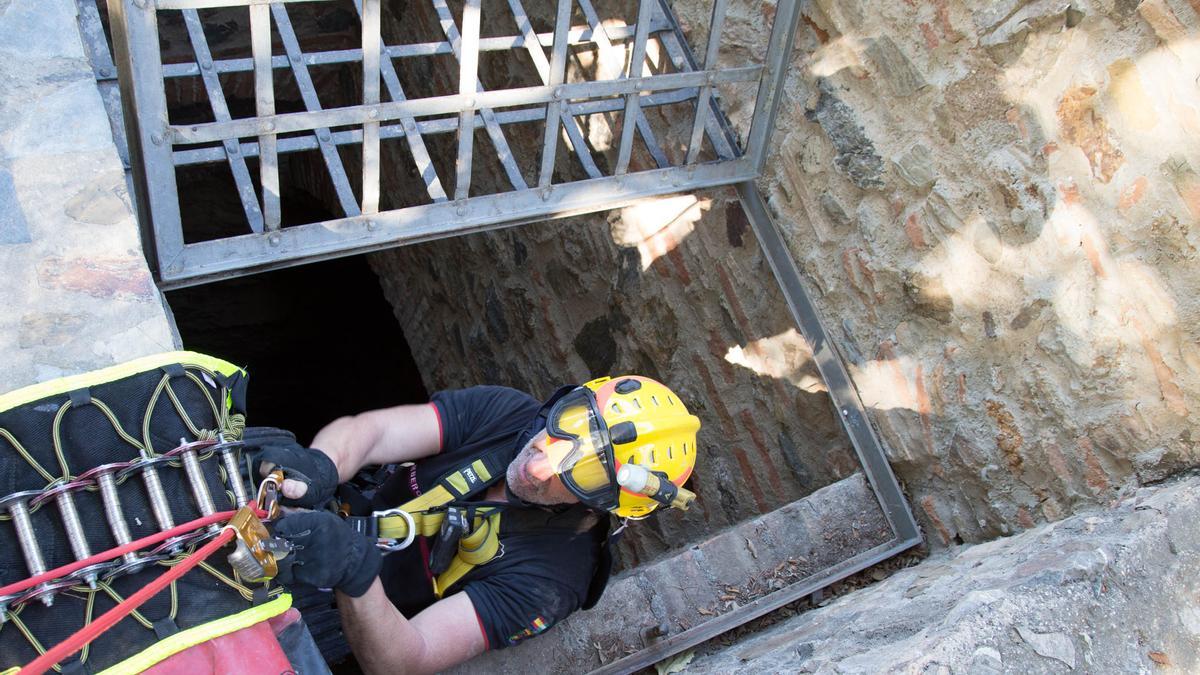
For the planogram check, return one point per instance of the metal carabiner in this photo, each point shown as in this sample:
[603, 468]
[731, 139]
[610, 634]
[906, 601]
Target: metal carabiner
[412, 530]
[268, 495]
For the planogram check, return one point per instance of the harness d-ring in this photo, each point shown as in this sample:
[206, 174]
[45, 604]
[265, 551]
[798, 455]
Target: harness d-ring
[412, 529]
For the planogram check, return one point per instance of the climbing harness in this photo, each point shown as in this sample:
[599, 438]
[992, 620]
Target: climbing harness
[472, 529]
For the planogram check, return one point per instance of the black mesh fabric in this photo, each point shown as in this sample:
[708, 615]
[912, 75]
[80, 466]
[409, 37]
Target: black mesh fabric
[88, 439]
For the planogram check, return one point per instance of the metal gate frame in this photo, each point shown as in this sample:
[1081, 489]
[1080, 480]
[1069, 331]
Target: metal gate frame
[163, 146]
[151, 137]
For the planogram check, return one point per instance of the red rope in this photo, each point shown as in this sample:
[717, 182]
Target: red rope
[117, 552]
[107, 620]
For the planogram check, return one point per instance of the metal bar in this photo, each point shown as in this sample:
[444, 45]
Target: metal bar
[557, 74]
[212, 4]
[768, 603]
[93, 33]
[468, 77]
[503, 152]
[412, 133]
[841, 389]
[323, 139]
[604, 39]
[431, 126]
[702, 98]
[636, 62]
[720, 133]
[220, 110]
[135, 44]
[454, 103]
[247, 254]
[264, 104]
[91, 29]
[567, 111]
[766, 104]
[577, 36]
[371, 39]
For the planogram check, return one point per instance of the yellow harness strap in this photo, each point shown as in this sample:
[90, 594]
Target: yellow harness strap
[474, 549]
[477, 548]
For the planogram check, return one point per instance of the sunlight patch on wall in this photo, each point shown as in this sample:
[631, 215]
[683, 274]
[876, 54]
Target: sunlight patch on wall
[657, 226]
[785, 356]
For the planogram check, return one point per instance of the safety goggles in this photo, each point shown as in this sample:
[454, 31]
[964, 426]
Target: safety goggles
[579, 449]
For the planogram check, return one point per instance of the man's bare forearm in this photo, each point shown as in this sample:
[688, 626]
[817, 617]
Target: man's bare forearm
[444, 634]
[348, 442]
[382, 639]
[385, 436]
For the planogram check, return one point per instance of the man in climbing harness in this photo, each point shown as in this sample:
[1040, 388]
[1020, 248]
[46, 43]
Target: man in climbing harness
[493, 527]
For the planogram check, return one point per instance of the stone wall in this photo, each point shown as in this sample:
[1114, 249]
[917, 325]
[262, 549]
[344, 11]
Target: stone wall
[995, 206]
[1069, 596]
[996, 203]
[76, 289]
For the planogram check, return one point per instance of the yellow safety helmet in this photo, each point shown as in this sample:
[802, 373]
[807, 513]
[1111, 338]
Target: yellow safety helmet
[597, 428]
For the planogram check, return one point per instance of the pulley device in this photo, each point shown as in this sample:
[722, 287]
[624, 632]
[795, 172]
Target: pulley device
[256, 554]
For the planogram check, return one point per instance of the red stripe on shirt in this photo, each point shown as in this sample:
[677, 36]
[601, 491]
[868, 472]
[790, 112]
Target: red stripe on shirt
[437, 414]
[486, 644]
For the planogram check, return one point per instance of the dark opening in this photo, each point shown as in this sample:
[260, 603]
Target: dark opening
[319, 341]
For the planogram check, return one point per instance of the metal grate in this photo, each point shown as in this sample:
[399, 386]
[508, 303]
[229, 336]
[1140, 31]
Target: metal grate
[163, 146]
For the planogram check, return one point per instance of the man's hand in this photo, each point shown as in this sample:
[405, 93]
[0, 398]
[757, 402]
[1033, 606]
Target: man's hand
[326, 553]
[310, 476]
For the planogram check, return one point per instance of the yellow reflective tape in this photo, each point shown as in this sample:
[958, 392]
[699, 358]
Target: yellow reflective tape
[10, 671]
[481, 470]
[36, 392]
[193, 636]
[438, 496]
[458, 482]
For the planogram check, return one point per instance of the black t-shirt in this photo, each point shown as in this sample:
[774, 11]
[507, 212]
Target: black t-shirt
[549, 555]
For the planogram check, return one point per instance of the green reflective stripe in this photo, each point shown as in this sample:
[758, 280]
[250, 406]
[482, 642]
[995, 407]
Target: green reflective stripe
[458, 483]
[37, 392]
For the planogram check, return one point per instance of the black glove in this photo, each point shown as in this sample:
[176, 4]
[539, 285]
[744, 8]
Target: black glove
[327, 553]
[311, 467]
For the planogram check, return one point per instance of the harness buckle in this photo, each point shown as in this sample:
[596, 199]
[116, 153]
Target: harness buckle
[390, 545]
[367, 526]
[454, 526]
